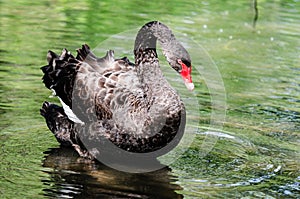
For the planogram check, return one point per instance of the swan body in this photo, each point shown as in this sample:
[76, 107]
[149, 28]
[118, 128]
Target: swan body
[114, 100]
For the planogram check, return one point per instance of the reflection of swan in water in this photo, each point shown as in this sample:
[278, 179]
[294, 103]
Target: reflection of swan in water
[71, 176]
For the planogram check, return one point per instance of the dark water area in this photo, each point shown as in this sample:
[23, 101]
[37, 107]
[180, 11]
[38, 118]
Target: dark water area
[243, 127]
[72, 176]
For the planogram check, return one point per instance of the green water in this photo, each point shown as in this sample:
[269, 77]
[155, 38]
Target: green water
[257, 153]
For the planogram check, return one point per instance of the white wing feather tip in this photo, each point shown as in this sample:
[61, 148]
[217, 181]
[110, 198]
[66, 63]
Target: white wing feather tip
[71, 115]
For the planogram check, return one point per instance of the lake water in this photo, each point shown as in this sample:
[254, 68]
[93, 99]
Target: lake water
[245, 127]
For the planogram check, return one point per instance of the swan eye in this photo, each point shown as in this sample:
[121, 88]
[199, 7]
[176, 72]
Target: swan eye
[187, 63]
[183, 62]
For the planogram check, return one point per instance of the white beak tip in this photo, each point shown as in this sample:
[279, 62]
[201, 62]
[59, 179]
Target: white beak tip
[189, 86]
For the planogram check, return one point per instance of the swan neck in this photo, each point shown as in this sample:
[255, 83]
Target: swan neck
[146, 39]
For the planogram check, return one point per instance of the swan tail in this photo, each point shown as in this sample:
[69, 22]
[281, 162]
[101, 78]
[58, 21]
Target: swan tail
[58, 123]
[68, 76]
[60, 74]
[63, 128]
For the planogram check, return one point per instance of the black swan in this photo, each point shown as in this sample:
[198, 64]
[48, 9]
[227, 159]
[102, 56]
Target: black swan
[113, 100]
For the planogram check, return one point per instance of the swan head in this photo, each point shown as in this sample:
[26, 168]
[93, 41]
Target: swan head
[179, 59]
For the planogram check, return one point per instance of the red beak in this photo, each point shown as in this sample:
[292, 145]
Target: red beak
[186, 75]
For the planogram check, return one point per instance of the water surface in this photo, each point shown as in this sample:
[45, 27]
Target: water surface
[257, 150]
